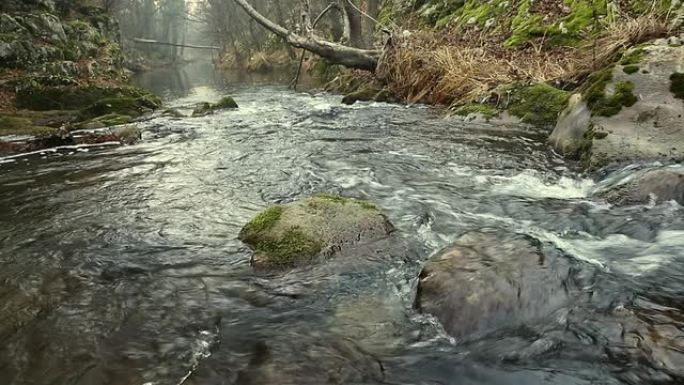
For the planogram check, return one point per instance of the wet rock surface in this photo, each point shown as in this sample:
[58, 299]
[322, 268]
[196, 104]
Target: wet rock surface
[627, 113]
[486, 281]
[652, 185]
[296, 233]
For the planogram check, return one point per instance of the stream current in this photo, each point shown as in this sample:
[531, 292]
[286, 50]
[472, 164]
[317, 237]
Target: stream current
[121, 265]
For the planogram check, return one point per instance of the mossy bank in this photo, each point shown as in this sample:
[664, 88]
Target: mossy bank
[62, 72]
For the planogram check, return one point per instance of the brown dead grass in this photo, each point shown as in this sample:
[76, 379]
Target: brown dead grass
[428, 68]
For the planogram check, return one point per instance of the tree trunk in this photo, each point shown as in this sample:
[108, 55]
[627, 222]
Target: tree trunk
[353, 24]
[334, 53]
[373, 10]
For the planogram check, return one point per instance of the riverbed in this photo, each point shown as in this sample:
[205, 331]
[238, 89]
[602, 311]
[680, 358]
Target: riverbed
[121, 265]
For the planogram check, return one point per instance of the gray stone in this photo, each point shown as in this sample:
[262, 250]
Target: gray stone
[650, 129]
[568, 136]
[659, 185]
[487, 280]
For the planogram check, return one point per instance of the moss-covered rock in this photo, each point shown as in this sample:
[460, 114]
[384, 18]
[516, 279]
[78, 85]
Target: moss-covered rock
[206, 108]
[225, 103]
[610, 123]
[108, 120]
[630, 69]
[39, 97]
[486, 111]
[128, 106]
[610, 104]
[539, 104]
[299, 232]
[174, 113]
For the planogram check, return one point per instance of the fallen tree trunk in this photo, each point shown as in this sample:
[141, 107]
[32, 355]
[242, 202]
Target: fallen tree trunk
[334, 53]
[155, 42]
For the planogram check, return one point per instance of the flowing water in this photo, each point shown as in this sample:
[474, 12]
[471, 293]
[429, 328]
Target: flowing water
[120, 265]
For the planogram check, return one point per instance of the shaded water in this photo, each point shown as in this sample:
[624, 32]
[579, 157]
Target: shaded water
[121, 265]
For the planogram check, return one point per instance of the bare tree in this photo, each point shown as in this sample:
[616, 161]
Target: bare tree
[348, 56]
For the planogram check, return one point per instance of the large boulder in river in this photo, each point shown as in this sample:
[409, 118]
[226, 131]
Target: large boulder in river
[658, 185]
[296, 233]
[486, 280]
[632, 111]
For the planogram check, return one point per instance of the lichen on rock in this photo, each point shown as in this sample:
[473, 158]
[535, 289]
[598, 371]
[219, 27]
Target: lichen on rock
[299, 232]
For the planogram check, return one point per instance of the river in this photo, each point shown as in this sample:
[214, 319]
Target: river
[121, 265]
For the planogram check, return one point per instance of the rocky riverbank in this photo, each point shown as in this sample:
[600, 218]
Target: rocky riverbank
[61, 73]
[603, 78]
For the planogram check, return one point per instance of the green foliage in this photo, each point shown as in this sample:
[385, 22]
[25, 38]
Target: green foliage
[677, 85]
[539, 104]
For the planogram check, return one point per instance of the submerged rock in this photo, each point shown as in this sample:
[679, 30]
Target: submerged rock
[630, 112]
[659, 185]
[298, 232]
[486, 281]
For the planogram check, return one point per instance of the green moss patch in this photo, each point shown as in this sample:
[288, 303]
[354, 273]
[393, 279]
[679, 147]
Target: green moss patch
[677, 85]
[279, 249]
[330, 198]
[594, 92]
[44, 98]
[487, 111]
[633, 57]
[292, 247]
[623, 96]
[16, 125]
[539, 104]
[108, 120]
[262, 222]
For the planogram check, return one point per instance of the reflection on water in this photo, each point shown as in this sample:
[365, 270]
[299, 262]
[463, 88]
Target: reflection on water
[121, 266]
[179, 81]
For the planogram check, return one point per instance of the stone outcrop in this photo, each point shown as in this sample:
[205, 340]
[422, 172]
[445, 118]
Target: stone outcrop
[632, 111]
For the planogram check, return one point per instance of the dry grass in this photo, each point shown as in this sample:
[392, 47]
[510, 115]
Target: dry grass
[427, 68]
